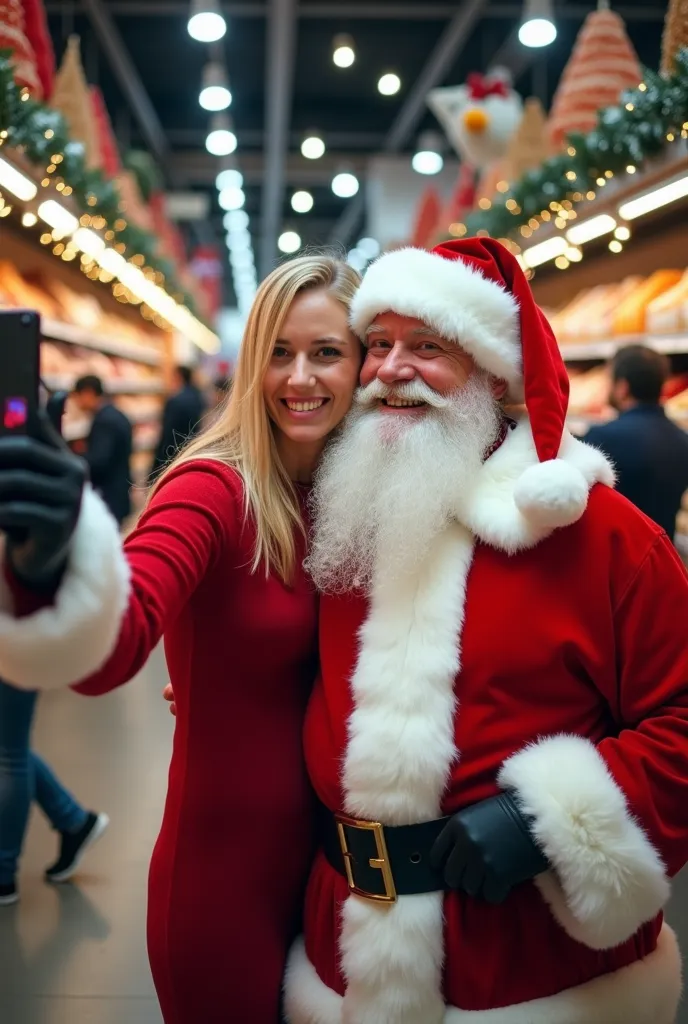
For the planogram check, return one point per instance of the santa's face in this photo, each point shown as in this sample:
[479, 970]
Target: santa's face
[401, 351]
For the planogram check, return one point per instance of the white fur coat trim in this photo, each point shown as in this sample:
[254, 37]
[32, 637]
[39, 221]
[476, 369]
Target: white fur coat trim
[608, 879]
[452, 297]
[490, 508]
[70, 639]
[399, 756]
[646, 992]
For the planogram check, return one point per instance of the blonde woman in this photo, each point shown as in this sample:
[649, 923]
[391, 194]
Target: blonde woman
[215, 567]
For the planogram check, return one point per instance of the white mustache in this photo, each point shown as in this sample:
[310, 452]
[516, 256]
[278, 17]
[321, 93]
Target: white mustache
[414, 391]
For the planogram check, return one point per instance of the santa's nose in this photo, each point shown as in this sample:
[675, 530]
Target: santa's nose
[396, 367]
[476, 120]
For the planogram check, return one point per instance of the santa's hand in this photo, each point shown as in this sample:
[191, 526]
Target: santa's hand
[487, 849]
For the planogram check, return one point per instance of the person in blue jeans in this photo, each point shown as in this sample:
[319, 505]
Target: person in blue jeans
[24, 777]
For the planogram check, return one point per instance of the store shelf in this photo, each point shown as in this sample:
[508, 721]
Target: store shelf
[670, 344]
[54, 330]
[123, 387]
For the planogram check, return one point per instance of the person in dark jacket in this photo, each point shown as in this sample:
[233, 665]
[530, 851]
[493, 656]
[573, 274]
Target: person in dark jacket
[108, 447]
[181, 418]
[649, 451]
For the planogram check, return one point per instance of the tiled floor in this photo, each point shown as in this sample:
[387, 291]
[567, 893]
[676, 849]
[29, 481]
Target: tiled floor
[76, 954]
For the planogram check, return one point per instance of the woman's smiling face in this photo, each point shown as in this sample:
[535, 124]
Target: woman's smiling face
[313, 372]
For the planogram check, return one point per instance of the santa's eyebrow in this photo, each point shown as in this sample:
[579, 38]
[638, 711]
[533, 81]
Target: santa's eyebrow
[373, 329]
[426, 332]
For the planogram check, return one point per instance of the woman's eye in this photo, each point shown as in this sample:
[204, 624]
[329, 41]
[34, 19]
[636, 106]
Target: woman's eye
[329, 352]
[279, 352]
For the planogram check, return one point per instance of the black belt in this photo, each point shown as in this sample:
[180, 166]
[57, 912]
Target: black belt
[382, 862]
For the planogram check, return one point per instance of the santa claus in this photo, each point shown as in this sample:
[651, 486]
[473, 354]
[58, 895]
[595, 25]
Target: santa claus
[499, 734]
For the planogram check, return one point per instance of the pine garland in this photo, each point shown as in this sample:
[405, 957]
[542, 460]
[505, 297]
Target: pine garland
[41, 132]
[631, 133]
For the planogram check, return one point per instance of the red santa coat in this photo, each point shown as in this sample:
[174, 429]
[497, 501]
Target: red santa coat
[551, 663]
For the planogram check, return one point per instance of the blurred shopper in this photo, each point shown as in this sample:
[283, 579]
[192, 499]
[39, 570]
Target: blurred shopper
[218, 394]
[109, 446]
[181, 418]
[650, 452]
[25, 778]
[214, 565]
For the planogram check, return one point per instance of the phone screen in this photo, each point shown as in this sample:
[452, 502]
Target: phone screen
[19, 368]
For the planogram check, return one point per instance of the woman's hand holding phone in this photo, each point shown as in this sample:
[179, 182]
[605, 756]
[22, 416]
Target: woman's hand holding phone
[41, 486]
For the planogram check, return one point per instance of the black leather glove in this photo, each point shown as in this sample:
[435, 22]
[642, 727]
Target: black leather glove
[487, 849]
[41, 484]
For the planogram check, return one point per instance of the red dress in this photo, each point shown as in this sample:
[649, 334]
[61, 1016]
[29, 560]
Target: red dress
[229, 868]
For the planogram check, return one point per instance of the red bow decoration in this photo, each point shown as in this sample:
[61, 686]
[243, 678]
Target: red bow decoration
[481, 86]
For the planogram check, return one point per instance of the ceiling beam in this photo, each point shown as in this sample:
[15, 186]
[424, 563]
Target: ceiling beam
[279, 81]
[255, 138]
[450, 43]
[197, 168]
[129, 79]
[352, 11]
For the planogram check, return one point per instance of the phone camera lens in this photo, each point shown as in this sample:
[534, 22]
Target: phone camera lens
[25, 320]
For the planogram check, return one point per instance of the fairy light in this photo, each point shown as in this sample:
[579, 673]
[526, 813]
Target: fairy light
[590, 195]
[484, 203]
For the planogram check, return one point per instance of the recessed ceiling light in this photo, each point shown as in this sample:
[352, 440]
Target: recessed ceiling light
[302, 202]
[313, 147]
[289, 242]
[389, 84]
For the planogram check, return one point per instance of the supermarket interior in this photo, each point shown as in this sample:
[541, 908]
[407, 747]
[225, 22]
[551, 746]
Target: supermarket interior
[158, 159]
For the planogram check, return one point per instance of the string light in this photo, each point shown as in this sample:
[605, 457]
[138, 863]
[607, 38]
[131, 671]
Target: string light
[484, 203]
[642, 87]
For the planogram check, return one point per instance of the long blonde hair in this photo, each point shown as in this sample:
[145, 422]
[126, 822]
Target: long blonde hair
[242, 436]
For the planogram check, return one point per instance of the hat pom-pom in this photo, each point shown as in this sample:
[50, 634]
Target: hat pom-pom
[551, 494]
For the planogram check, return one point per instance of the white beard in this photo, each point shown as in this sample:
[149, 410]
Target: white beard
[390, 483]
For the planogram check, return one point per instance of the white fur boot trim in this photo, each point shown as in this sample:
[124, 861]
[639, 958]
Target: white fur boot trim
[67, 641]
[646, 992]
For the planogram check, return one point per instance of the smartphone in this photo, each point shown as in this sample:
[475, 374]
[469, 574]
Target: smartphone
[20, 340]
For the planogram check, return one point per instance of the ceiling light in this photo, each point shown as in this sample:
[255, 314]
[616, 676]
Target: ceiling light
[215, 94]
[59, 219]
[242, 259]
[369, 247]
[537, 27]
[16, 182]
[313, 147]
[615, 245]
[232, 198]
[623, 233]
[544, 251]
[428, 157]
[206, 23]
[302, 202]
[389, 84]
[235, 220]
[345, 185]
[357, 260]
[237, 240]
[654, 200]
[229, 178]
[589, 229]
[88, 241]
[220, 141]
[289, 241]
[343, 53]
[29, 219]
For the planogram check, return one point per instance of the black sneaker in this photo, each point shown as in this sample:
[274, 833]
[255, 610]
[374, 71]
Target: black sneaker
[74, 846]
[8, 894]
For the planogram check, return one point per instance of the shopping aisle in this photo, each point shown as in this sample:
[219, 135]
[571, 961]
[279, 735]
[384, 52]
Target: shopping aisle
[76, 954]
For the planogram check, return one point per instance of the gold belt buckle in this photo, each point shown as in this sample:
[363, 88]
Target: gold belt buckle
[381, 862]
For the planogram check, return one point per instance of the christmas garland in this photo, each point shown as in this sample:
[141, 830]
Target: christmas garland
[42, 135]
[625, 136]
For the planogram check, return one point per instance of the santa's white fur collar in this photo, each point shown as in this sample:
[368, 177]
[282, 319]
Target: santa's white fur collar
[517, 501]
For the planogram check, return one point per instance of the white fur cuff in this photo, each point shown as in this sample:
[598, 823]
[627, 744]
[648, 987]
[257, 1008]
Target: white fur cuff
[70, 639]
[608, 879]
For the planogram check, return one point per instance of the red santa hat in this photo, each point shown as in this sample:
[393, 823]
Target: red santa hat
[473, 292]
